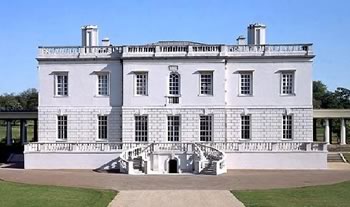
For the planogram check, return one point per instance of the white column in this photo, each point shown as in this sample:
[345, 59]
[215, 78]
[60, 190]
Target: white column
[342, 132]
[326, 131]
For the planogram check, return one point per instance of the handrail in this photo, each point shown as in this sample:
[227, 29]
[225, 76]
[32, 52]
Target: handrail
[217, 157]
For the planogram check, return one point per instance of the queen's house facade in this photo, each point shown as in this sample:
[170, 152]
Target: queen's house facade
[176, 107]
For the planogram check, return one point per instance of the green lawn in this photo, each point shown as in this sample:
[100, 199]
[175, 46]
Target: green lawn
[337, 195]
[16, 195]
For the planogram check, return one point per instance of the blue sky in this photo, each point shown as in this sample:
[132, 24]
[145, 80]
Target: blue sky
[25, 25]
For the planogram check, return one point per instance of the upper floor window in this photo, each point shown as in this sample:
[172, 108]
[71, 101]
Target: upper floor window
[61, 84]
[174, 88]
[205, 128]
[246, 83]
[103, 84]
[62, 127]
[174, 84]
[206, 83]
[287, 127]
[245, 127]
[141, 83]
[102, 127]
[141, 128]
[287, 83]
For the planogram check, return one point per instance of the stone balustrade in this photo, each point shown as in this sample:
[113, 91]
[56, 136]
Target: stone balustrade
[243, 146]
[173, 50]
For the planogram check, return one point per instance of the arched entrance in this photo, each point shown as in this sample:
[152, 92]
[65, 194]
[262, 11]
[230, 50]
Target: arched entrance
[172, 166]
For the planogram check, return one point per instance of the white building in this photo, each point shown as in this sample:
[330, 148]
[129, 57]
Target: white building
[176, 106]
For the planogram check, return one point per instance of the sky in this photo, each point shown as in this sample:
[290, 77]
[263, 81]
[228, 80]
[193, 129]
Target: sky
[25, 25]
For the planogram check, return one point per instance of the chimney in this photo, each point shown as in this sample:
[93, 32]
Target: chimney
[241, 40]
[256, 34]
[89, 35]
[106, 42]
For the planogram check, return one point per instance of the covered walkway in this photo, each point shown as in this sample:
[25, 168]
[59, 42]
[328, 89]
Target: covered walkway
[23, 116]
[327, 118]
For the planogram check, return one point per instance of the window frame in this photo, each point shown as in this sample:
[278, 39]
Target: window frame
[251, 82]
[287, 72]
[99, 126]
[145, 85]
[211, 73]
[291, 127]
[99, 74]
[144, 139]
[211, 138]
[64, 130]
[250, 128]
[179, 128]
[65, 89]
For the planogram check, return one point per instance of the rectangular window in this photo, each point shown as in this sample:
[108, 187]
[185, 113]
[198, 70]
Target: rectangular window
[205, 128]
[141, 83]
[102, 127]
[287, 81]
[173, 128]
[287, 127]
[141, 128]
[245, 127]
[62, 127]
[61, 84]
[206, 83]
[103, 84]
[246, 82]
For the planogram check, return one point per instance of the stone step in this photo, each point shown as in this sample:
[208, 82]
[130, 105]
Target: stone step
[334, 157]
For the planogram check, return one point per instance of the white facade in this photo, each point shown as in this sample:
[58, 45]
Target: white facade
[214, 87]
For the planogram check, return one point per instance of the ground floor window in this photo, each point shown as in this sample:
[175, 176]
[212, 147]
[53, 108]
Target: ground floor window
[205, 128]
[102, 127]
[141, 128]
[287, 127]
[173, 128]
[62, 127]
[245, 127]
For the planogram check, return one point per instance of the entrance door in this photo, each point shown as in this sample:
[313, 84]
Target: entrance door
[173, 166]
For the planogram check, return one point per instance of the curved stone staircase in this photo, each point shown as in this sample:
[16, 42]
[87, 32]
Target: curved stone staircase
[206, 159]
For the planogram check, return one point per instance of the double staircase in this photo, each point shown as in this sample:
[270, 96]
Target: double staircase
[206, 159]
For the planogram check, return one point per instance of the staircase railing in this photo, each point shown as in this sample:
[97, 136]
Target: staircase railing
[199, 159]
[217, 157]
[127, 156]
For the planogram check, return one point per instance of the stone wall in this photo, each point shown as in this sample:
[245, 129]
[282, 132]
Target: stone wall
[82, 123]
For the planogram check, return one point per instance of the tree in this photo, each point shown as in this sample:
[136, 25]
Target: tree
[324, 99]
[27, 100]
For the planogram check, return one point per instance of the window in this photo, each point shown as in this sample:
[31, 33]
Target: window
[206, 83]
[174, 88]
[173, 128]
[245, 127]
[141, 83]
[205, 128]
[102, 127]
[287, 127]
[61, 84]
[246, 83]
[141, 128]
[287, 87]
[62, 127]
[103, 84]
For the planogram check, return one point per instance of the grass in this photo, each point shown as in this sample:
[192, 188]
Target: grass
[336, 195]
[16, 194]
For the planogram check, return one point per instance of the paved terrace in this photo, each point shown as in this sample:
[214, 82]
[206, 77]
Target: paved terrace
[233, 180]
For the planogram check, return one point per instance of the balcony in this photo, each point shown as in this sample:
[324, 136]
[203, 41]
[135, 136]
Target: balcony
[177, 49]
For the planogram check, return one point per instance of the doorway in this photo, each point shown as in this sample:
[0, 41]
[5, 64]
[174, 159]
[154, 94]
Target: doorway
[173, 166]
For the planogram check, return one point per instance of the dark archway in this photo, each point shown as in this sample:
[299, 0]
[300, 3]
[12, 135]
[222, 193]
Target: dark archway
[173, 166]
